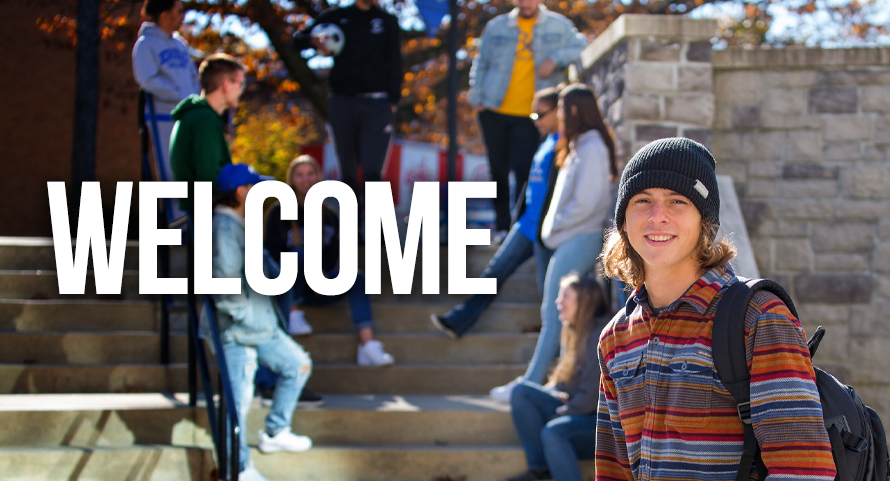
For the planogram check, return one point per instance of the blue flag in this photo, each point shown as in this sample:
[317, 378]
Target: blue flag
[432, 12]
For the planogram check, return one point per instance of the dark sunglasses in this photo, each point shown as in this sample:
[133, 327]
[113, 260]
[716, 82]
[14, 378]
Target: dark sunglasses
[538, 115]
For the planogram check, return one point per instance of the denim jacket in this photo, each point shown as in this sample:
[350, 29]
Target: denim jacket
[554, 37]
[247, 318]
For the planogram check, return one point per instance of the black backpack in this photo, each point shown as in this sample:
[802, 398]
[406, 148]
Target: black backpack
[858, 442]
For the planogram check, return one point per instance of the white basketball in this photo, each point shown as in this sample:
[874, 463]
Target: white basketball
[331, 37]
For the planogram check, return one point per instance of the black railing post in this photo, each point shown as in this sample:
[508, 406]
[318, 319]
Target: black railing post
[193, 314]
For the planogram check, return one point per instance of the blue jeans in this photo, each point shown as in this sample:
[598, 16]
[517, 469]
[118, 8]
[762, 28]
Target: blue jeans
[549, 440]
[576, 254]
[515, 250]
[359, 302]
[281, 355]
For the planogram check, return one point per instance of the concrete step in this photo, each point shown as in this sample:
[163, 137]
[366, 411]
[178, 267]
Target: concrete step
[392, 317]
[61, 347]
[87, 420]
[38, 285]
[37, 253]
[168, 463]
[437, 379]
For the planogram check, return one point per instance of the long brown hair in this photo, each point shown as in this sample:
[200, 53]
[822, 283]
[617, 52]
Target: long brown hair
[576, 332]
[622, 261]
[580, 113]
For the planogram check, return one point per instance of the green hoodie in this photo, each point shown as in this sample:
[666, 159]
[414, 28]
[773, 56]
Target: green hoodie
[198, 148]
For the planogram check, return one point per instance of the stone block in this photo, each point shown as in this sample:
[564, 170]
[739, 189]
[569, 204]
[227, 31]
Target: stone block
[881, 259]
[827, 314]
[809, 189]
[700, 51]
[760, 189]
[833, 288]
[785, 228]
[614, 113]
[695, 79]
[861, 210]
[874, 350]
[839, 128]
[804, 146]
[645, 78]
[854, 77]
[640, 107]
[841, 152]
[723, 116]
[809, 171]
[785, 101]
[790, 79]
[767, 146]
[648, 133]
[883, 283]
[732, 145]
[736, 170]
[794, 255]
[660, 50]
[870, 320]
[832, 100]
[695, 109]
[841, 262]
[876, 99]
[746, 116]
[767, 170]
[884, 228]
[738, 87]
[844, 237]
[702, 136]
[806, 209]
[867, 181]
[755, 213]
[772, 120]
[876, 154]
[762, 254]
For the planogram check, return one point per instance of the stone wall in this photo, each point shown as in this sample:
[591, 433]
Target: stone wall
[653, 76]
[805, 135]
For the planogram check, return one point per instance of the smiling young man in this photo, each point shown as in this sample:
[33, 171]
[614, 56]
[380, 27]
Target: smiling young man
[663, 411]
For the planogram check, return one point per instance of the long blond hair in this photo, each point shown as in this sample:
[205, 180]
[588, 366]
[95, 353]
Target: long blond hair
[576, 332]
[288, 179]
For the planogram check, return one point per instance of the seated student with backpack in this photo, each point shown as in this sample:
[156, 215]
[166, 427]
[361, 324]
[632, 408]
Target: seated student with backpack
[250, 328]
[557, 422]
[664, 412]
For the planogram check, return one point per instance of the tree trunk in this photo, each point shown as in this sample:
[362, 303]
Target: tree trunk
[263, 13]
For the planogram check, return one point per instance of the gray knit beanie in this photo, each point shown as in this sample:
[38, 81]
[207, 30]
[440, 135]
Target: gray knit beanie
[678, 164]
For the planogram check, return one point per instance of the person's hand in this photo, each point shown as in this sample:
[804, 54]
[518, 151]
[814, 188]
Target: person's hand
[563, 396]
[546, 69]
[478, 107]
[318, 44]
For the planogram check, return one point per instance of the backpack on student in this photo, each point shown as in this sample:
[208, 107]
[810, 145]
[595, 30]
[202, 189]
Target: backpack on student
[858, 441]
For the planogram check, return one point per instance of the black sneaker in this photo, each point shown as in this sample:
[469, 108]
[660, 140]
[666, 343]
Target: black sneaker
[443, 325]
[309, 399]
[533, 475]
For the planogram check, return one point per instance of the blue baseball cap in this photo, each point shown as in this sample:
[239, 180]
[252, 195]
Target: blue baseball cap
[233, 176]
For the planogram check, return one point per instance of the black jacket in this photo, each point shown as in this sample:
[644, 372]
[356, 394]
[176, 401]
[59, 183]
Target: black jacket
[371, 60]
[280, 235]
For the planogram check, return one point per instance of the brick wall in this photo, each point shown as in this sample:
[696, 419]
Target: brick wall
[805, 135]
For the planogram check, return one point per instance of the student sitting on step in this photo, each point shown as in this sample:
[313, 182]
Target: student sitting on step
[287, 236]
[250, 329]
[557, 422]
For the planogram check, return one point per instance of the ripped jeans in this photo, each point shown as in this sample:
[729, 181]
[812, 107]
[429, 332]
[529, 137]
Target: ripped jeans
[283, 356]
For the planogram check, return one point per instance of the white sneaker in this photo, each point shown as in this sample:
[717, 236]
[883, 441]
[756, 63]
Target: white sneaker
[502, 393]
[283, 441]
[251, 474]
[297, 325]
[372, 354]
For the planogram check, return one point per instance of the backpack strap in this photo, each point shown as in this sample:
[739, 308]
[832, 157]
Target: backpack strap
[728, 351]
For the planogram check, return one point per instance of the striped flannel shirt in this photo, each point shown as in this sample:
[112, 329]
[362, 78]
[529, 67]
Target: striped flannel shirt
[664, 414]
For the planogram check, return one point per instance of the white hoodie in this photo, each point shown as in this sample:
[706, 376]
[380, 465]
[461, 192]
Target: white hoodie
[163, 67]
